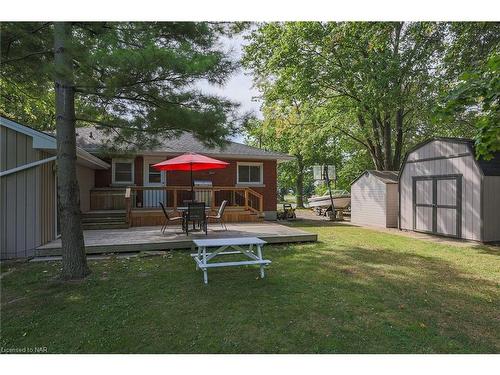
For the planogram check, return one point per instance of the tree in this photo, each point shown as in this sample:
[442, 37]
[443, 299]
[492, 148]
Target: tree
[472, 98]
[475, 100]
[375, 82]
[288, 128]
[133, 79]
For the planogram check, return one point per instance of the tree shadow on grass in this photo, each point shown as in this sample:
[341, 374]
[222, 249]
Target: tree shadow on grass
[417, 292]
[493, 249]
[316, 298]
[316, 223]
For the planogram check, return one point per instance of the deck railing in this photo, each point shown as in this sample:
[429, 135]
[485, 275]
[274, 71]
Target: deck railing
[107, 198]
[149, 197]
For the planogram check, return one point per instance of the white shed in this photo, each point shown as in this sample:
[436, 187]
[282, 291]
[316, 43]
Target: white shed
[374, 199]
[446, 190]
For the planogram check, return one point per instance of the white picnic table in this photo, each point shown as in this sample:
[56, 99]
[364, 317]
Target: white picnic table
[249, 246]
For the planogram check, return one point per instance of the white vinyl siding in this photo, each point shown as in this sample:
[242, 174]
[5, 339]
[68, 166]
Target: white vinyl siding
[391, 204]
[368, 201]
[374, 202]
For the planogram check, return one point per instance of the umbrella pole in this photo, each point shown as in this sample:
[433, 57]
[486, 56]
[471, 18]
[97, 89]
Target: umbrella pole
[192, 187]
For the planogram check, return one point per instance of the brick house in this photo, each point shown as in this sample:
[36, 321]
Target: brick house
[249, 183]
[28, 179]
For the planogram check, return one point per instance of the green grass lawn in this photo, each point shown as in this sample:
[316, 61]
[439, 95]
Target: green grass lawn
[355, 291]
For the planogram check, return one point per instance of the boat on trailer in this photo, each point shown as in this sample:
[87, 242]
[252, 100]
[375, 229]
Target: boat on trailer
[341, 201]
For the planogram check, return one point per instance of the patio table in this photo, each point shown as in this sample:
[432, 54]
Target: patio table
[248, 246]
[184, 210]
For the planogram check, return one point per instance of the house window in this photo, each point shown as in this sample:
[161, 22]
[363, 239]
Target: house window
[154, 175]
[250, 173]
[123, 171]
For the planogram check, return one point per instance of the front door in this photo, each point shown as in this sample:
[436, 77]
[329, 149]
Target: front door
[155, 180]
[437, 205]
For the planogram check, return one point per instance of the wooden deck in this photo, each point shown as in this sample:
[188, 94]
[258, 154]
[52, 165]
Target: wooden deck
[150, 238]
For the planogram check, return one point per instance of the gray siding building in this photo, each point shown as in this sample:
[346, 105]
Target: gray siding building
[28, 194]
[444, 189]
[374, 199]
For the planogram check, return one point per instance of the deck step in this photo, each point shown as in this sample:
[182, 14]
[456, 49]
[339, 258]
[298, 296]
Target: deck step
[93, 226]
[97, 214]
[104, 220]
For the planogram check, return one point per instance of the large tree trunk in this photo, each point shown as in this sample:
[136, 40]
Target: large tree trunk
[398, 148]
[299, 183]
[74, 260]
[387, 145]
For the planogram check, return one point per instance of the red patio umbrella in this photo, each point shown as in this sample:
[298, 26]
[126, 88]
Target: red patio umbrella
[190, 162]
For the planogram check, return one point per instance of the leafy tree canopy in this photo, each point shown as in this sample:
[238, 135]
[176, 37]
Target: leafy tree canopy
[472, 97]
[135, 79]
[376, 83]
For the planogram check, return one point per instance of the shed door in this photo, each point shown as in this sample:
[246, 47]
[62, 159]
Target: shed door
[436, 205]
[423, 205]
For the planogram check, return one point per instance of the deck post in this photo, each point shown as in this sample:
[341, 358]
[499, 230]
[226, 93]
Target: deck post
[175, 199]
[212, 198]
[128, 206]
[246, 199]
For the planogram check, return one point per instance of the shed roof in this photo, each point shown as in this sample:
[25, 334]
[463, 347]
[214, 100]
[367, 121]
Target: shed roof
[45, 141]
[94, 140]
[487, 167]
[387, 177]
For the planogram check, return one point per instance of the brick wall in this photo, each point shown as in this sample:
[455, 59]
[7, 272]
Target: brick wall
[227, 177]
[219, 177]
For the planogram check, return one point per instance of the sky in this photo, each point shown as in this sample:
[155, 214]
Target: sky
[239, 87]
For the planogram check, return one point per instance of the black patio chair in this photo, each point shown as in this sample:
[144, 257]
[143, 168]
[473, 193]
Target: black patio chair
[220, 214]
[170, 219]
[196, 215]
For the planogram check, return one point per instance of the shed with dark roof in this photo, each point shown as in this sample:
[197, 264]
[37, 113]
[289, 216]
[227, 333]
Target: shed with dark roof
[374, 199]
[446, 189]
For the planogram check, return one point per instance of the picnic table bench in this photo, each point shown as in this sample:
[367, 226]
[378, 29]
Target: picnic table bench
[248, 246]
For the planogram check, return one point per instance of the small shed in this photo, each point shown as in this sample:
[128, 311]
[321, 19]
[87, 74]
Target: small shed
[446, 190]
[374, 199]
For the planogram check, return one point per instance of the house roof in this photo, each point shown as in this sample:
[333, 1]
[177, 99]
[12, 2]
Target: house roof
[487, 167]
[387, 177]
[95, 140]
[44, 141]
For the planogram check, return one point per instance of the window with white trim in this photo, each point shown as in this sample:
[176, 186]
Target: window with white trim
[123, 171]
[152, 176]
[250, 173]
